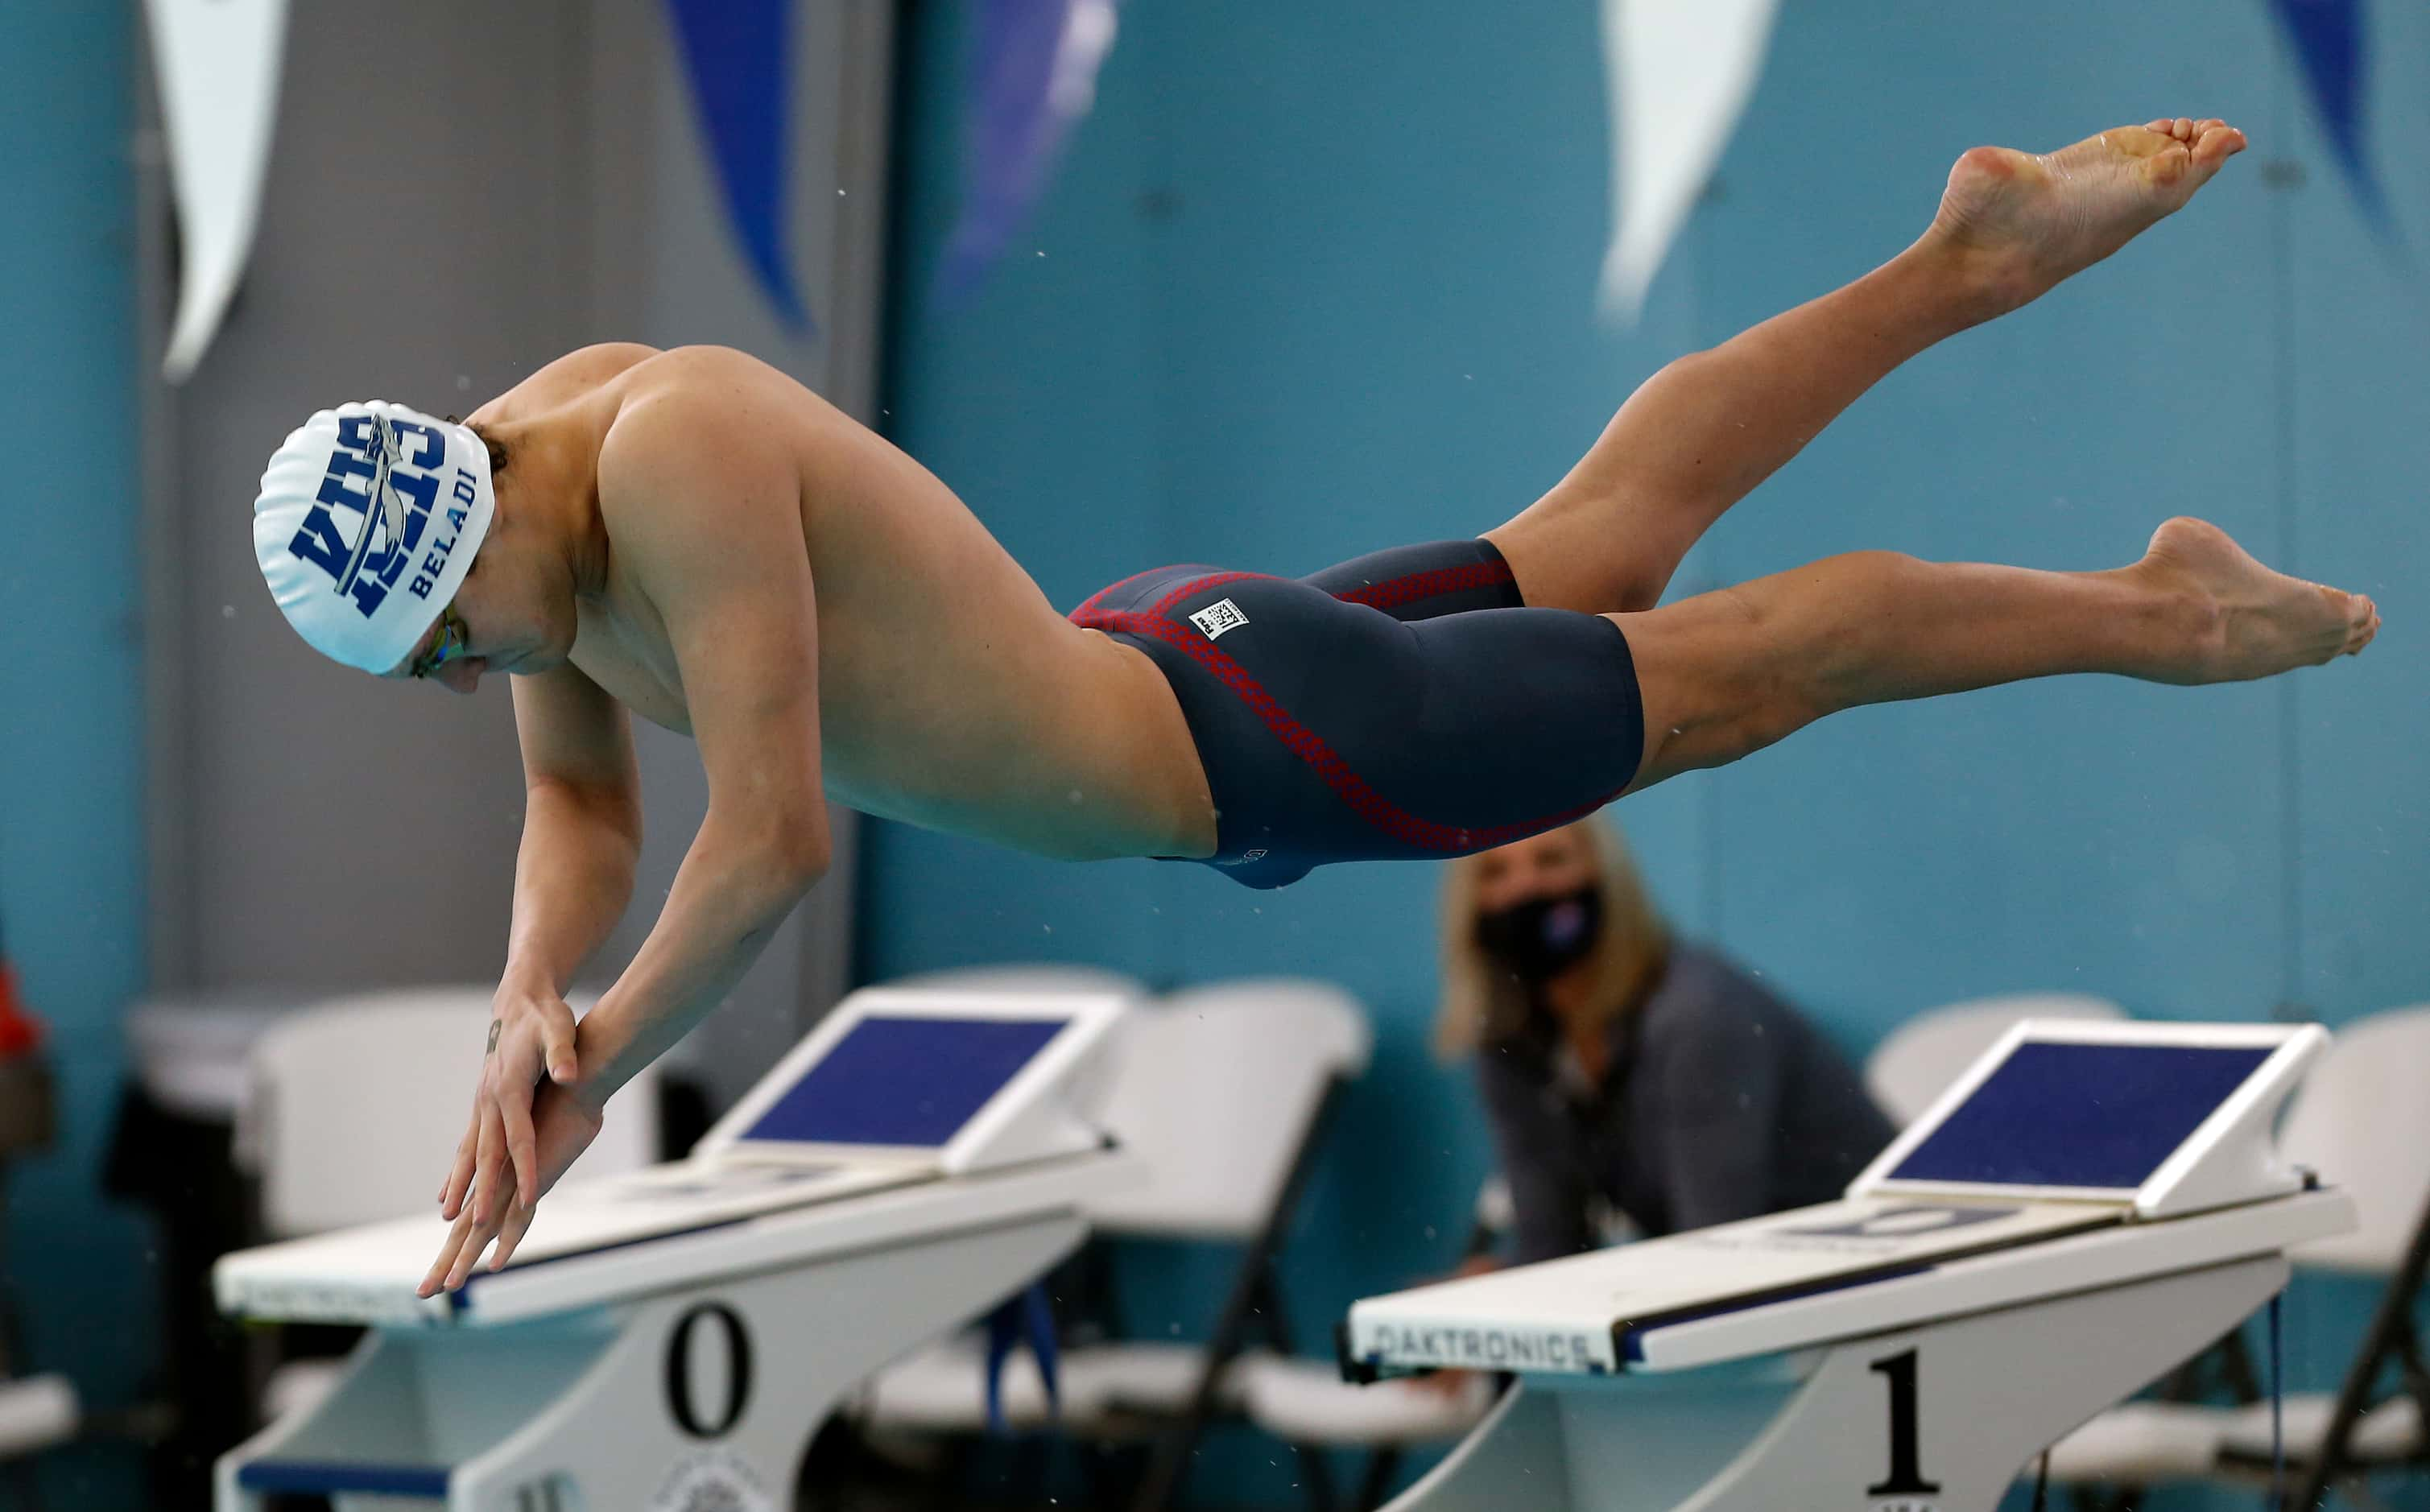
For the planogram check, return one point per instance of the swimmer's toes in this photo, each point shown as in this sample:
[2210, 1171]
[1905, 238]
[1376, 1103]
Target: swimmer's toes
[2217, 141]
[2362, 622]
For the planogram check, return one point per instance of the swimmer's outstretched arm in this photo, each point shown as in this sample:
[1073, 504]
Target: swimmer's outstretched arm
[707, 527]
[573, 875]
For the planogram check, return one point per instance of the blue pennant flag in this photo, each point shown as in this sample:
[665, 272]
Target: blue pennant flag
[2330, 43]
[739, 54]
[1033, 72]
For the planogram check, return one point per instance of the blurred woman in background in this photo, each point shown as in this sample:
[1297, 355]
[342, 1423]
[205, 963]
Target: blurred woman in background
[1625, 1068]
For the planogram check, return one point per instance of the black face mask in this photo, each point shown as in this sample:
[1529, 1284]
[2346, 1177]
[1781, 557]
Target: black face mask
[1540, 938]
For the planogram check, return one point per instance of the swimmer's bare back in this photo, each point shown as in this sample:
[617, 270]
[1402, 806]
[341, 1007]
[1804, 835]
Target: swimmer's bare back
[950, 693]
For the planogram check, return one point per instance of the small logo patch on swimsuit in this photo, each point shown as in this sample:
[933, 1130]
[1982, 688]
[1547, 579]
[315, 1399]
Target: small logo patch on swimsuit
[1217, 617]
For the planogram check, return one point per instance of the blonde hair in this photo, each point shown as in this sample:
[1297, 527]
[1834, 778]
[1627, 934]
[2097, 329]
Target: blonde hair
[1482, 1003]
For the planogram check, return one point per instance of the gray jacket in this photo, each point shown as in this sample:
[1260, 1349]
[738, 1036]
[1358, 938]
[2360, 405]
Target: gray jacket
[1720, 1103]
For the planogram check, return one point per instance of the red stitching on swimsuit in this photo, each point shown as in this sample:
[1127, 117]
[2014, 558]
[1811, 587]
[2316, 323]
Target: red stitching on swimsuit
[1392, 592]
[1309, 746]
[1111, 589]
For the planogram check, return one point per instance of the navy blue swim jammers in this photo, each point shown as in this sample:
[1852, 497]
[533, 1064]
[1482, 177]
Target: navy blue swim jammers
[1404, 706]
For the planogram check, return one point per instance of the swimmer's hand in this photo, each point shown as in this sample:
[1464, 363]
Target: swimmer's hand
[563, 1125]
[531, 1032]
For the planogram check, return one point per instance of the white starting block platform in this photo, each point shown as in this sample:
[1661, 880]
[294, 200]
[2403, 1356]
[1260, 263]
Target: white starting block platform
[672, 1337]
[2090, 1204]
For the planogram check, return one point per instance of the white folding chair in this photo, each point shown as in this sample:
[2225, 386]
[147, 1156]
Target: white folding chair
[1304, 1401]
[1921, 1056]
[2362, 1121]
[353, 1112]
[1307, 1401]
[36, 1412]
[1222, 1091]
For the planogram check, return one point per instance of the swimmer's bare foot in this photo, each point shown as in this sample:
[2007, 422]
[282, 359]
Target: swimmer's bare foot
[2030, 219]
[2249, 621]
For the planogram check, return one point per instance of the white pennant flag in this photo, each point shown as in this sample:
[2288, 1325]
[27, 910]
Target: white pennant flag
[218, 65]
[1679, 73]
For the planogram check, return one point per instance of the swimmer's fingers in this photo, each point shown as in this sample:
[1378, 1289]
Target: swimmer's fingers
[473, 1236]
[557, 1036]
[485, 1207]
[468, 1258]
[459, 1174]
[515, 1116]
[518, 1223]
[473, 1157]
[456, 1203]
[492, 1178]
[436, 1278]
[514, 1069]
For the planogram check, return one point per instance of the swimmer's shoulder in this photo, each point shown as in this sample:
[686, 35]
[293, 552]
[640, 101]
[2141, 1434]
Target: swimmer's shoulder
[570, 379]
[708, 407]
[699, 425]
[566, 379]
[710, 423]
[725, 375]
[598, 362]
[637, 372]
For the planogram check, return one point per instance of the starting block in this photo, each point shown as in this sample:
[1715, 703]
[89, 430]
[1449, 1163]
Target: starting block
[672, 1339]
[2090, 1204]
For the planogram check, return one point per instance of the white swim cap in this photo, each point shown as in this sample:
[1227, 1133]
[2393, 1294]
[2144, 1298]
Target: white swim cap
[368, 519]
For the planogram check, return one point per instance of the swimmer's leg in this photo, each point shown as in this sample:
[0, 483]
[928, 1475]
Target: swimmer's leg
[1700, 434]
[1726, 673]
